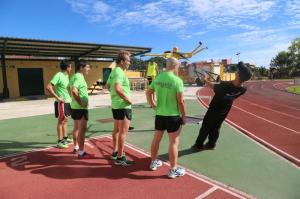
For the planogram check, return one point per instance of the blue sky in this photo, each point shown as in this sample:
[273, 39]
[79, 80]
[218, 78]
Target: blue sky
[257, 29]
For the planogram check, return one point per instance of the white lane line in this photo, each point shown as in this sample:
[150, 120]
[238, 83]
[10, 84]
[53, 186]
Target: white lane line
[269, 109]
[282, 105]
[279, 88]
[208, 192]
[289, 129]
[87, 143]
[198, 176]
[44, 149]
[262, 143]
[189, 172]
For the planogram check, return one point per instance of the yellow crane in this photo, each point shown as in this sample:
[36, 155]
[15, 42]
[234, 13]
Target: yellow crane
[177, 54]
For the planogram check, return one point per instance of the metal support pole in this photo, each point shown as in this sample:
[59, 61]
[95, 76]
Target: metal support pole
[5, 87]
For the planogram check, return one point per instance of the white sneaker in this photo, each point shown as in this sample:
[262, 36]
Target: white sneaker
[155, 164]
[173, 173]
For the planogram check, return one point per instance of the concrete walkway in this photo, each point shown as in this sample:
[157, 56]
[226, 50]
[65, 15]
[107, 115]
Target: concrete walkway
[17, 109]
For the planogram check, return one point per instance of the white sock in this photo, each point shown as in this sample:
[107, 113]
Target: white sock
[76, 147]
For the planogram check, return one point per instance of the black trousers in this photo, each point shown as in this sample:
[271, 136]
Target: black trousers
[210, 128]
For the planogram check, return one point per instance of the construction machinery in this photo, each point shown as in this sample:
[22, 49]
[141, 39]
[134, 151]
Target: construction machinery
[177, 54]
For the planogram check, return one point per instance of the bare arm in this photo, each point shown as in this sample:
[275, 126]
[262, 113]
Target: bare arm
[180, 103]
[77, 98]
[69, 90]
[51, 90]
[150, 98]
[120, 92]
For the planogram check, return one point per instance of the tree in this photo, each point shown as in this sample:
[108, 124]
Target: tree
[260, 72]
[281, 62]
[294, 57]
[287, 64]
[137, 64]
[160, 61]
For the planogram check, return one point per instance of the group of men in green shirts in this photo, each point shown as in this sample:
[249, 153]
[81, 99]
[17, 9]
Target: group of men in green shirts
[169, 106]
[62, 89]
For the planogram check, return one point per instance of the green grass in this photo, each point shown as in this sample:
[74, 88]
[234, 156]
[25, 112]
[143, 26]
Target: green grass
[294, 89]
[237, 161]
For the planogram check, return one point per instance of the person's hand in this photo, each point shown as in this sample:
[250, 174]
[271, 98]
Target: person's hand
[84, 103]
[153, 106]
[129, 102]
[183, 120]
[60, 99]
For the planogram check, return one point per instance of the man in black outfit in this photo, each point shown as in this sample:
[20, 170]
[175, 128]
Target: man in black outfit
[225, 93]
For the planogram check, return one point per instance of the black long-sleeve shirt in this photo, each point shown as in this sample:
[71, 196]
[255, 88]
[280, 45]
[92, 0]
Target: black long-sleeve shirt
[225, 93]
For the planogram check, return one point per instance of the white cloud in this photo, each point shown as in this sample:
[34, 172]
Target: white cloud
[256, 35]
[79, 6]
[260, 46]
[263, 56]
[179, 16]
[232, 12]
[293, 9]
[93, 10]
[159, 14]
[252, 21]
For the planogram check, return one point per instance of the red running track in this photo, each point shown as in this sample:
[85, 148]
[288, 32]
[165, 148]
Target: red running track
[57, 173]
[268, 114]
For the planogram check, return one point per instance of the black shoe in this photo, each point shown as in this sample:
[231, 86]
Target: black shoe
[123, 161]
[197, 148]
[75, 151]
[208, 146]
[114, 155]
[131, 128]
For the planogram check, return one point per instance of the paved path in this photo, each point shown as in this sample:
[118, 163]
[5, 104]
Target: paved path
[17, 109]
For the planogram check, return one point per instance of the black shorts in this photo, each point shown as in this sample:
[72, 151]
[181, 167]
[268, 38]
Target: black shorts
[120, 114]
[77, 114]
[169, 123]
[62, 110]
[149, 78]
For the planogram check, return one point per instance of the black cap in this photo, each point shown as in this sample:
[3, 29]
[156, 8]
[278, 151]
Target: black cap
[244, 72]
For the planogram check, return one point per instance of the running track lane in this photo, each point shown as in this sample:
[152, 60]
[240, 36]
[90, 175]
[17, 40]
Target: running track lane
[57, 173]
[269, 115]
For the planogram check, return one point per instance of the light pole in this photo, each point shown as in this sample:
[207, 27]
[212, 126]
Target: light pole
[238, 56]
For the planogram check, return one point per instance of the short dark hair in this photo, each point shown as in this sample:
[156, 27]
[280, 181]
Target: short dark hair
[244, 72]
[79, 64]
[64, 64]
[121, 56]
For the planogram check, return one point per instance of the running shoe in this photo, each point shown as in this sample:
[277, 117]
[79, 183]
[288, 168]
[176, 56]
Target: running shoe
[130, 128]
[86, 155]
[62, 145]
[155, 164]
[123, 161]
[67, 140]
[208, 146]
[177, 172]
[75, 151]
[114, 155]
[197, 148]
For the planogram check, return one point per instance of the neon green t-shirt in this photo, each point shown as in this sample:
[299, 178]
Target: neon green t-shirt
[166, 86]
[60, 81]
[78, 81]
[151, 69]
[119, 76]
